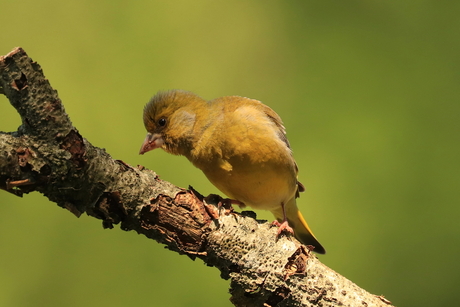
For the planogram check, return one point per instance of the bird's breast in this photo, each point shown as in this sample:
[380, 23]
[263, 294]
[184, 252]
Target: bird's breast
[259, 185]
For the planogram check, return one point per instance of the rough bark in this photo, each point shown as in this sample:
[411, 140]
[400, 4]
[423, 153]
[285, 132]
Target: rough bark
[48, 155]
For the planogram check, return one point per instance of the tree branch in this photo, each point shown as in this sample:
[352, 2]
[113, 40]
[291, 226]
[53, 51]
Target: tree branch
[47, 154]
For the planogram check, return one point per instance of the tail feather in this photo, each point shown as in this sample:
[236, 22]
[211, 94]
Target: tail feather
[296, 220]
[304, 234]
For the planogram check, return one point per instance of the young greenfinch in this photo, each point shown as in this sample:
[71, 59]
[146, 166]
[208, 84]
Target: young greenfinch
[240, 145]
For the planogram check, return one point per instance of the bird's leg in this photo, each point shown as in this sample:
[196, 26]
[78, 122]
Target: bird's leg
[284, 226]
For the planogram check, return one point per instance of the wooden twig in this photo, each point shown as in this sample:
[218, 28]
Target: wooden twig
[47, 154]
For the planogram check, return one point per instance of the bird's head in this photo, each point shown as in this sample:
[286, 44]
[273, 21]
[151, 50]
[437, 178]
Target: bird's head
[169, 119]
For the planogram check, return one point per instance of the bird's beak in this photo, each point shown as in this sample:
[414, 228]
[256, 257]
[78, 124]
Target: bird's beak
[151, 142]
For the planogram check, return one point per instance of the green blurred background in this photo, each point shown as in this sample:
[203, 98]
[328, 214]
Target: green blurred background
[369, 93]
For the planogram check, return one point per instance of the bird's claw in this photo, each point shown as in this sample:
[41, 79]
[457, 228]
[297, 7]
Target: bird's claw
[225, 203]
[283, 227]
[228, 202]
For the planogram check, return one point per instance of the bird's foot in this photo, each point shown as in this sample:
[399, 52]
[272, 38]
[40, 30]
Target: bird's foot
[224, 205]
[284, 226]
[223, 202]
[228, 202]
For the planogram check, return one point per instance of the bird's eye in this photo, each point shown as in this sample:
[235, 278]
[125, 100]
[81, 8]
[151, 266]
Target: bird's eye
[162, 122]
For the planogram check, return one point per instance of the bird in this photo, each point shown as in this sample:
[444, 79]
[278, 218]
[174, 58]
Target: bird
[240, 145]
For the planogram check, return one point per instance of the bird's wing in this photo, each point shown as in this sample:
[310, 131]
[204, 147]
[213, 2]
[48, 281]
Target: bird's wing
[278, 123]
[282, 135]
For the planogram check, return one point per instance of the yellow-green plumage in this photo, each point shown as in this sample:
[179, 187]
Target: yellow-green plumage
[240, 145]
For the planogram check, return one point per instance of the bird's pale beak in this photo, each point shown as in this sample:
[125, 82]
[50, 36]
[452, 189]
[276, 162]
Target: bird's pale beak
[151, 142]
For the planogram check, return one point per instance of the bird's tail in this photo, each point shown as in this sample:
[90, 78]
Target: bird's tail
[296, 220]
[304, 234]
